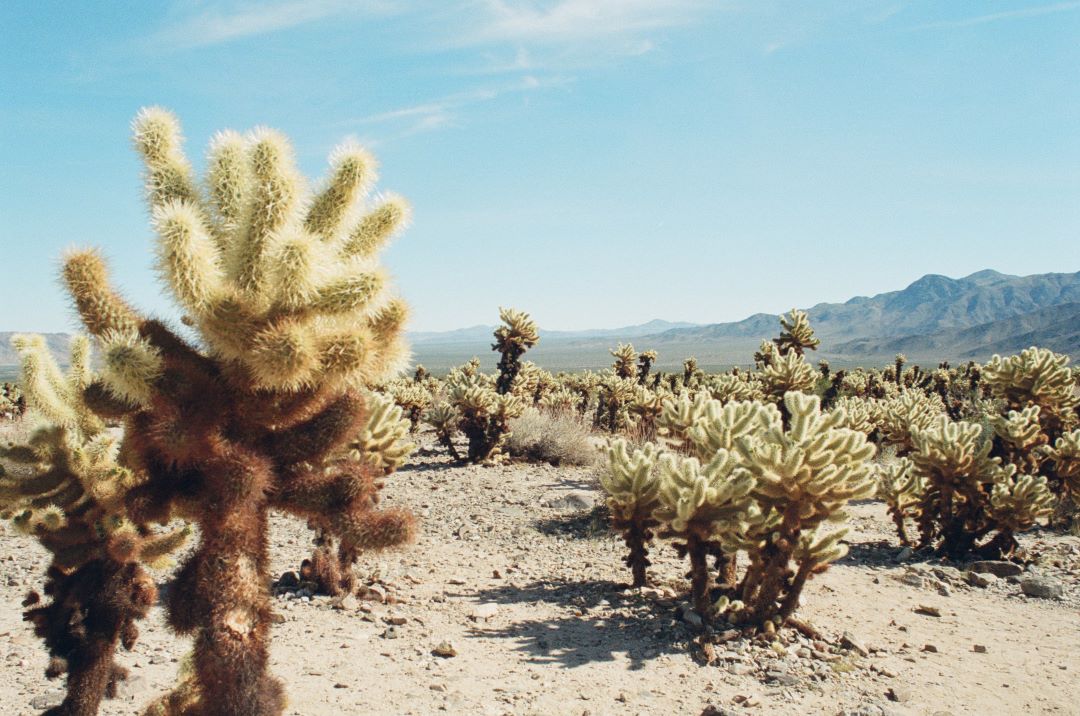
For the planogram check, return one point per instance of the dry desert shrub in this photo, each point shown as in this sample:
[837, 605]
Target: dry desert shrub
[560, 438]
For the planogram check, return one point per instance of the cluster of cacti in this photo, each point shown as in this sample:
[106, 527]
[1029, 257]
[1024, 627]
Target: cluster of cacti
[294, 318]
[748, 484]
[69, 493]
[12, 401]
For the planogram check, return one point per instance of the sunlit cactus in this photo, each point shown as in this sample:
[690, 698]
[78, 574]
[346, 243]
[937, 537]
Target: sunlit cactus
[705, 508]
[900, 417]
[721, 425]
[625, 357]
[1036, 376]
[1066, 461]
[677, 416]
[633, 488]
[691, 371]
[614, 399]
[898, 364]
[69, 494]
[484, 417]
[383, 442]
[295, 318]
[1017, 503]
[727, 387]
[858, 414]
[645, 362]
[413, 398]
[788, 373]
[901, 488]
[518, 334]
[1020, 433]
[559, 400]
[796, 335]
[805, 476]
[443, 418]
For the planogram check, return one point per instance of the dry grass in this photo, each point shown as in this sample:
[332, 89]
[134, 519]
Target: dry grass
[559, 439]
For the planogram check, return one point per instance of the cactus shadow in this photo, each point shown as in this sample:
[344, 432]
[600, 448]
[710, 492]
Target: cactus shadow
[590, 524]
[882, 553]
[597, 622]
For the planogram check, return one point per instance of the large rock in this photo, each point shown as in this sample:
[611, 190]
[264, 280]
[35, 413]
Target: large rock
[1042, 587]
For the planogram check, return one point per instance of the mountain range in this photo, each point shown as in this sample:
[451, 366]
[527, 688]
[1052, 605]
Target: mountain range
[935, 318]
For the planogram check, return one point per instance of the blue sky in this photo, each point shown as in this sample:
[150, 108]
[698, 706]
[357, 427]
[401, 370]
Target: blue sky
[595, 162]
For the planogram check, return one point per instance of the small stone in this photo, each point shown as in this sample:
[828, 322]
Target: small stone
[998, 568]
[848, 641]
[574, 500]
[277, 618]
[288, 580]
[740, 669]
[782, 677]
[47, 701]
[930, 648]
[975, 579]
[898, 694]
[1041, 587]
[928, 611]
[396, 620]
[979, 649]
[441, 688]
[484, 612]
[345, 603]
[904, 554]
[341, 686]
[391, 632]
[692, 618]
[445, 649]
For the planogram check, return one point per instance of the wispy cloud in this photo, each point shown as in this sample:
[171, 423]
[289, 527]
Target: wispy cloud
[1004, 15]
[446, 111]
[249, 19]
[569, 20]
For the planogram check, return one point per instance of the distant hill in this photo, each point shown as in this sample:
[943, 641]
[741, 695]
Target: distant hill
[1056, 327]
[935, 318]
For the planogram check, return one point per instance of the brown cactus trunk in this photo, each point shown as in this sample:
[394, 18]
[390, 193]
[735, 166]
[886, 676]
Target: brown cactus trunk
[700, 581]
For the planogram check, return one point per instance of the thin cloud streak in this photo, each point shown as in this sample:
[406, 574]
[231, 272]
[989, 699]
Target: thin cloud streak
[215, 27]
[1005, 15]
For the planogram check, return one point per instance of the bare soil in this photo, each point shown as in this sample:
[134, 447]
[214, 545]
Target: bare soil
[533, 602]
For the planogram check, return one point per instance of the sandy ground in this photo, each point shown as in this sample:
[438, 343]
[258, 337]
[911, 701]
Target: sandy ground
[531, 598]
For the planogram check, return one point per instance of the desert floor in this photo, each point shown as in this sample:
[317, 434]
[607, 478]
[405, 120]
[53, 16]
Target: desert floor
[516, 570]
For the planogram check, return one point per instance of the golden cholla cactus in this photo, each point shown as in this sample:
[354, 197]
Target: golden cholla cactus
[901, 488]
[706, 507]
[518, 334]
[787, 373]
[766, 353]
[383, 442]
[960, 477]
[526, 384]
[561, 399]
[294, 319]
[797, 336]
[721, 426]
[905, 414]
[1036, 376]
[1066, 461]
[613, 403]
[414, 399]
[484, 417]
[727, 387]
[1020, 434]
[645, 362]
[805, 476]
[678, 415]
[69, 493]
[444, 419]
[858, 414]
[1018, 501]
[633, 488]
[625, 356]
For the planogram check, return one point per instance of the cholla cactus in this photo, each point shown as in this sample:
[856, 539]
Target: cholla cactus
[1020, 434]
[902, 416]
[633, 488]
[858, 415]
[1066, 458]
[721, 425]
[645, 361]
[902, 488]
[613, 404]
[706, 507]
[797, 336]
[444, 419]
[691, 372]
[517, 335]
[728, 387]
[805, 476]
[383, 442]
[559, 400]
[484, 417]
[295, 317]
[413, 398]
[898, 363]
[677, 416]
[624, 361]
[72, 500]
[1036, 377]
[787, 373]
[968, 494]
[12, 402]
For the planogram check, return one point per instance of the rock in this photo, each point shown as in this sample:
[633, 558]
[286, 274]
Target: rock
[898, 694]
[47, 701]
[978, 580]
[391, 632]
[289, 580]
[997, 568]
[1042, 587]
[692, 618]
[484, 612]
[930, 648]
[928, 611]
[371, 594]
[782, 677]
[344, 603]
[444, 649]
[979, 649]
[848, 641]
[904, 554]
[740, 669]
[396, 621]
[912, 579]
[574, 500]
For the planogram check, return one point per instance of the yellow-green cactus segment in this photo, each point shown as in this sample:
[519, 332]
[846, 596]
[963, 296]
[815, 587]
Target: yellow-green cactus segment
[797, 335]
[1036, 376]
[788, 372]
[383, 442]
